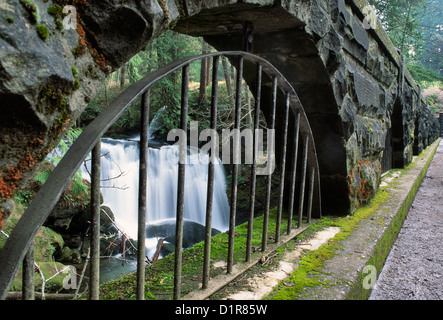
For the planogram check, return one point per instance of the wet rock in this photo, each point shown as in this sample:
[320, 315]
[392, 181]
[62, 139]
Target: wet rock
[193, 232]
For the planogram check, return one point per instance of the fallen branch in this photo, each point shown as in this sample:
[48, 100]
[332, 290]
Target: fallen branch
[82, 275]
[265, 259]
[121, 231]
[159, 248]
[17, 295]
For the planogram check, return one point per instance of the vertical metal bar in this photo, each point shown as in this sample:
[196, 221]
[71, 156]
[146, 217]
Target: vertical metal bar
[254, 165]
[28, 273]
[294, 171]
[181, 186]
[210, 193]
[282, 170]
[311, 193]
[236, 155]
[269, 182]
[95, 223]
[142, 195]
[303, 181]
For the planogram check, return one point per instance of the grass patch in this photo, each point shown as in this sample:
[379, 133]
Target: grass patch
[311, 263]
[160, 276]
[159, 280]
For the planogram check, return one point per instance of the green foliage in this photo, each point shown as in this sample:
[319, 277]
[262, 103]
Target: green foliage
[160, 275]
[43, 175]
[424, 76]
[65, 143]
[77, 186]
[23, 197]
[401, 19]
[434, 94]
[74, 71]
[414, 27]
[165, 94]
[168, 47]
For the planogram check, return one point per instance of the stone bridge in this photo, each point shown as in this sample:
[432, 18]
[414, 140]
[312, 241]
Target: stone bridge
[365, 111]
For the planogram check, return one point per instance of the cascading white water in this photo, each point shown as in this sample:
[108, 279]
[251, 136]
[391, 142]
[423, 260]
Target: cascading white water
[120, 176]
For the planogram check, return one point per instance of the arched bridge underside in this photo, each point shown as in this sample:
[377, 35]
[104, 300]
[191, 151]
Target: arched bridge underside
[344, 69]
[365, 111]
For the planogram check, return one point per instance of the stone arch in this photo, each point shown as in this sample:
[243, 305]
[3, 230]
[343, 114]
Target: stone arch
[298, 37]
[293, 51]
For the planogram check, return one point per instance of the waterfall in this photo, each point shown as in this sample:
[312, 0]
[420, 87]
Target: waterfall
[120, 176]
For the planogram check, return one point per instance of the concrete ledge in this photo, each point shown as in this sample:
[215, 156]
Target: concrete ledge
[369, 243]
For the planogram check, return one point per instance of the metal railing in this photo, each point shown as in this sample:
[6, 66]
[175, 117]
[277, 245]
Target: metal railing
[282, 104]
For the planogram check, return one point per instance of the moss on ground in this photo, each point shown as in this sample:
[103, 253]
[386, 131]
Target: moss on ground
[310, 264]
[160, 276]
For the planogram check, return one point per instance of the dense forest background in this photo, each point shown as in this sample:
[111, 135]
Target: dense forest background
[416, 28]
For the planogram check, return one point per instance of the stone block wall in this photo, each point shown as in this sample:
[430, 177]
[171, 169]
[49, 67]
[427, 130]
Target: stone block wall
[358, 96]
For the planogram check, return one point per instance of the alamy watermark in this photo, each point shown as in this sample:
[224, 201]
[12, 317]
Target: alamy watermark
[370, 280]
[70, 281]
[264, 158]
[370, 20]
[70, 19]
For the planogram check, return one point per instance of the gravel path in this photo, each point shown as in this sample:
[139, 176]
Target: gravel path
[414, 267]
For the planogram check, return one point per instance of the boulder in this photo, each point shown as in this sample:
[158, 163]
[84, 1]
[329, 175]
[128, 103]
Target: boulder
[193, 233]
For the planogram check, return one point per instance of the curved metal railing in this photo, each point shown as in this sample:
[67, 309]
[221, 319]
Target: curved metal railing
[33, 218]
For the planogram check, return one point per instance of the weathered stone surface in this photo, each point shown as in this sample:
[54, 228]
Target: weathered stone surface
[40, 95]
[342, 73]
[366, 90]
[119, 30]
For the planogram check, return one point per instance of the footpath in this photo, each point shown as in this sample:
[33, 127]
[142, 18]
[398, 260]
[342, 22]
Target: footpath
[359, 260]
[353, 258]
[414, 267]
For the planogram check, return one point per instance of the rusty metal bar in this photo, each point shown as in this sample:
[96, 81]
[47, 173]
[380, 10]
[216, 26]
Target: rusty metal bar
[28, 273]
[236, 156]
[254, 165]
[282, 170]
[311, 193]
[294, 171]
[303, 181]
[181, 186]
[269, 182]
[142, 195]
[95, 223]
[210, 194]
[21, 237]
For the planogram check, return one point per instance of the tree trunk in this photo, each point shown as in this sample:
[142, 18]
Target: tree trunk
[228, 82]
[402, 45]
[123, 76]
[204, 74]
